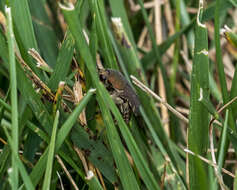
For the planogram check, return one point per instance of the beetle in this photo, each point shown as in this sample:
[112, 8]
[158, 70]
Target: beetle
[121, 92]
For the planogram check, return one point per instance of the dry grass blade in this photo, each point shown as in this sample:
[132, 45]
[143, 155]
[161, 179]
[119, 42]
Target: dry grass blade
[149, 91]
[78, 94]
[227, 104]
[67, 172]
[34, 78]
[212, 149]
[209, 162]
[40, 61]
[60, 179]
[82, 158]
[217, 174]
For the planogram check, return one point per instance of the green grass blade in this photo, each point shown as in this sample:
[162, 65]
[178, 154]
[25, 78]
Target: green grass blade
[177, 48]
[5, 105]
[159, 144]
[232, 38]
[209, 13]
[29, 124]
[26, 179]
[139, 160]
[198, 118]
[38, 131]
[63, 63]
[49, 167]
[44, 137]
[221, 156]
[14, 115]
[124, 168]
[39, 168]
[185, 20]
[220, 65]
[3, 48]
[24, 32]
[99, 155]
[63, 132]
[233, 93]
[214, 89]
[67, 126]
[22, 19]
[44, 32]
[209, 106]
[103, 37]
[4, 160]
[235, 181]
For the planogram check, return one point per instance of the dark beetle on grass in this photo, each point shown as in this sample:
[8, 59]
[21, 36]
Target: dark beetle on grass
[121, 92]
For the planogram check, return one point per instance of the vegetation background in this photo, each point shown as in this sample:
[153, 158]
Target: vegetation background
[71, 135]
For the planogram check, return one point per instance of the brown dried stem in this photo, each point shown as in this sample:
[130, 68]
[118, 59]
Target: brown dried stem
[149, 91]
[67, 172]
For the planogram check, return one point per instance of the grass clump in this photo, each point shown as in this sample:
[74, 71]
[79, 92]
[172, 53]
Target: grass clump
[64, 124]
